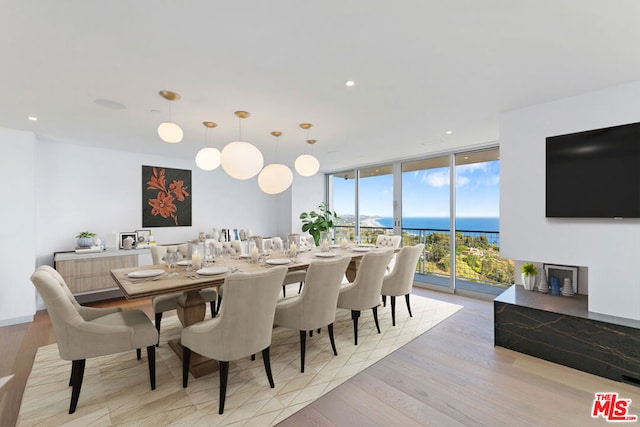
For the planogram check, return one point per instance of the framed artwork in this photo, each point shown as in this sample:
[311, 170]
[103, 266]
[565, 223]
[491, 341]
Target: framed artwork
[142, 238]
[562, 271]
[166, 197]
[126, 234]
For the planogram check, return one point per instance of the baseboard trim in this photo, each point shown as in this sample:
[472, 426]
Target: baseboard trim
[16, 320]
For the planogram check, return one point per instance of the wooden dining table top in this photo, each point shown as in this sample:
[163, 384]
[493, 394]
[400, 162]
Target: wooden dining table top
[182, 278]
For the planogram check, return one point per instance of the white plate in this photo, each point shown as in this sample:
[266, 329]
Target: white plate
[366, 245]
[335, 246]
[212, 271]
[360, 249]
[278, 261]
[143, 274]
[184, 262]
[326, 254]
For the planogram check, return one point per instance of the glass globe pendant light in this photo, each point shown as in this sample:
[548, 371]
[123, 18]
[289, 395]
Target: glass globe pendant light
[307, 164]
[208, 158]
[275, 177]
[239, 159]
[169, 131]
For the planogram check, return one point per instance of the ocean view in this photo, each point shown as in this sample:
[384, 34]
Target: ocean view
[491, 224]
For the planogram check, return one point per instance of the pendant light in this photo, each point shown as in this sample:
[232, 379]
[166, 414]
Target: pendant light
[275, 177]
[208, 158]
[307, 164]
[239, 159]
[169, 131]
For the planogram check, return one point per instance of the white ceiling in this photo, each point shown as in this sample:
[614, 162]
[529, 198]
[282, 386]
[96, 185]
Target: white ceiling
[421, 67]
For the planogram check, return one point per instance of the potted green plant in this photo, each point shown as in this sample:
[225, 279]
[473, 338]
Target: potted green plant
[85, 239]
[318, 221]
[529, 273]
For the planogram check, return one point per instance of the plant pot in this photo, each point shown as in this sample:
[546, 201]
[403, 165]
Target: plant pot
[85, 242]
[529, 282]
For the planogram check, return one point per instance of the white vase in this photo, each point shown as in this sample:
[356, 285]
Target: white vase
[529, 282]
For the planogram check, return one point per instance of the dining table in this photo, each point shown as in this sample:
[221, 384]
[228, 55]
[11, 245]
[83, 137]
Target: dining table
[152, 280]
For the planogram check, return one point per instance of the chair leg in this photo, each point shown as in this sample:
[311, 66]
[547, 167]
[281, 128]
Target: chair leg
[219, 304]
[406, 298]
[310, 333]
[384, 300]
[138, 353]
[186, 359]
[284, 291]
[212, 304]
[375, 317]
[393, 311]
[333, 343]
[151, 355]
[77, 373]
[300, 288]
[267, 366]
[303, 344]
[354, 316]
[253, 357]
[224, 375]
[158, 321]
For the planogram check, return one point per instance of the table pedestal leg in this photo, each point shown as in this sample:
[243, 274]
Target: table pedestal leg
[352, 269]
[191, 309]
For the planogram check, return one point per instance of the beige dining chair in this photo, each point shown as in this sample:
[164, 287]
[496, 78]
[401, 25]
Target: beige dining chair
[242, 328]
[364, 292]
[390, 242]
[315, 307]
[400, 281]
[85, 332]
[167, 302]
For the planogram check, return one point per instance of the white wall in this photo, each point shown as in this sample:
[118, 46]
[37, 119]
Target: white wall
[307, 194]
[609, 248]
[17, 232]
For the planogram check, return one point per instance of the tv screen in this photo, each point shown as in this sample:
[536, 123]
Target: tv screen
[594, 174]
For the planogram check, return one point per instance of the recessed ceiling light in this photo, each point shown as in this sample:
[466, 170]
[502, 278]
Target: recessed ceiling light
[349, 83]
[33, 118]
[449, 132]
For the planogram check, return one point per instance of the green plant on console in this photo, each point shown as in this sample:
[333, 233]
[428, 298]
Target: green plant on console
[315, 222]
[85, 234]
[528, 269]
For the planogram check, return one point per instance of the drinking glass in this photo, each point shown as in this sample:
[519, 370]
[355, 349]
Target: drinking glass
[171, 259]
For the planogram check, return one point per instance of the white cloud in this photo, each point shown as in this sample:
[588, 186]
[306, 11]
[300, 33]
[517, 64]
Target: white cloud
[436, 179]
[472, 167]
[461, 181]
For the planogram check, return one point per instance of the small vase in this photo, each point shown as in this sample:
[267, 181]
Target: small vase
[529, 282]
[85, 242]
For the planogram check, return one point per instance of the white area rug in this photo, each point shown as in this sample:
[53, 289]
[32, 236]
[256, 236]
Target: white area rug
[116, 391]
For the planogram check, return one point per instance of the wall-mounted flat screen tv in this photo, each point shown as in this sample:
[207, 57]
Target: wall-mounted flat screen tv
[594, 174]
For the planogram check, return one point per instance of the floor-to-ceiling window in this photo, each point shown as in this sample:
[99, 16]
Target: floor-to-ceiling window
[426, 205]
[375, 202]
[450, 203]
[477, 215]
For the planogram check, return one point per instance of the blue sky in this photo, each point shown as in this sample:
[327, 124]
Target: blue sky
[426, 192]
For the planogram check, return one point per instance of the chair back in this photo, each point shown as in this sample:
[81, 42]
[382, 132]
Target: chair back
[306, 242]
[247, 312]
[61, 306]
[400, 281]
[384, 241]
[159, 252]
[319, 296]
[368, 282]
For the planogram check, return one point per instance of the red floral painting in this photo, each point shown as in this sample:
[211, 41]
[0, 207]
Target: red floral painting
[166, 197]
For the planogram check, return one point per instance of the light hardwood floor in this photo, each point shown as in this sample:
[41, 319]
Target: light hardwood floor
[451, 375]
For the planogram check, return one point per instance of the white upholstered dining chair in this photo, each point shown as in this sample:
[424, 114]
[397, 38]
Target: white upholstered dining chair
[315, 307]
[84, 332]
[242, 328]
[364, 292]
[389, 242]
[400, 281]
[166, 302]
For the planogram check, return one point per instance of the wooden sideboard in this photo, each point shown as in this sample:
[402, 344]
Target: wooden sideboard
[89, 273]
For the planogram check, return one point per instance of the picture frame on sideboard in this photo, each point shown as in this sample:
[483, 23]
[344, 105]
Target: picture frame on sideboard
[562, 272]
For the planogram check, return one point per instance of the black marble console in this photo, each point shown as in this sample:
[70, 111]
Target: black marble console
[562, 330]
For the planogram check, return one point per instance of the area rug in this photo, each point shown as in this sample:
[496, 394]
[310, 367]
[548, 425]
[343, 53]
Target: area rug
[115, 390]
